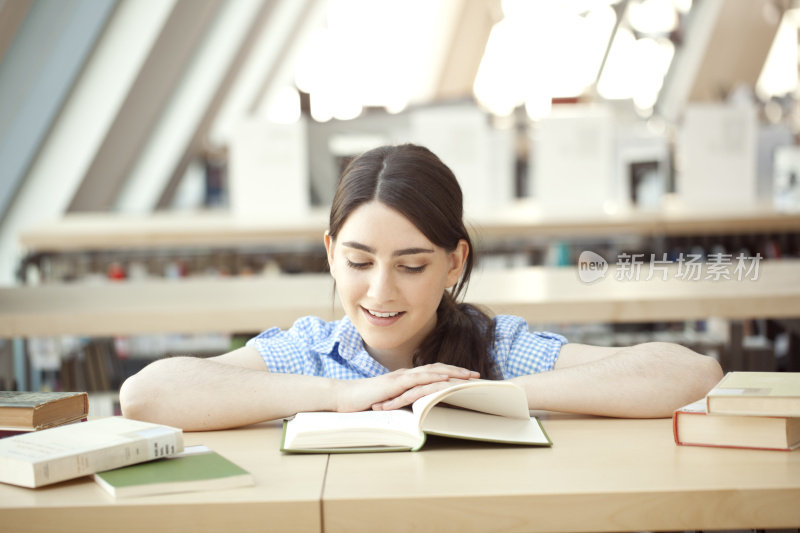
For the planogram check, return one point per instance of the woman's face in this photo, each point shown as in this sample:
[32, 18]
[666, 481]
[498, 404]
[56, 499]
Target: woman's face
[390, 279]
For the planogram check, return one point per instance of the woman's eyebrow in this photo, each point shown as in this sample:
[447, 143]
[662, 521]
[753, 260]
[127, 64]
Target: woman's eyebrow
[359, 246]
[403, 251]
[412, 251]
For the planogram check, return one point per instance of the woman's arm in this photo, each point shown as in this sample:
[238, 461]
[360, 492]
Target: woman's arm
[236, 389]
[648, 380]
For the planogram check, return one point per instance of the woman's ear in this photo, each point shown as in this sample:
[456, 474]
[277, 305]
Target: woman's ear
[329, 249]
[458, 258]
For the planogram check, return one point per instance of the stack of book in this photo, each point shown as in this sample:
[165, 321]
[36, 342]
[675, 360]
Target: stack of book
[39, 458]
[758, 410]
[49, 440]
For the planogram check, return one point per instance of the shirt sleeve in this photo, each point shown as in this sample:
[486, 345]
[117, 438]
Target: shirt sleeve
[289, 351]
[518, 351]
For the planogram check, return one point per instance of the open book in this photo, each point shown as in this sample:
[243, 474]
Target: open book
[495, 411]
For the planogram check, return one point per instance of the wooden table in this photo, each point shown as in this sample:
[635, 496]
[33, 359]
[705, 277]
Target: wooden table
[600, 475]
[539, 294]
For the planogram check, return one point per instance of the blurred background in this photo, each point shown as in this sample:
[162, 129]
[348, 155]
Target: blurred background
[203, 112]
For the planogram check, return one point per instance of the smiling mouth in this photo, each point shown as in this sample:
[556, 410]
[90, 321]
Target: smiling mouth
[381, 317]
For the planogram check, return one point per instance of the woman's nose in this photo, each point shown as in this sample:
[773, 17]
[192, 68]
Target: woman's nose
[381, 286]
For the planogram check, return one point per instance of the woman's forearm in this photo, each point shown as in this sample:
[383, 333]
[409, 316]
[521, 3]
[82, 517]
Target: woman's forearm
[206, 394]
[202, 394]
[644, 381]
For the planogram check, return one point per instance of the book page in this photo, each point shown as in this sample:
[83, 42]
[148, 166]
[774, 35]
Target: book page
[455, 422]
[495, 397]
[364, 428]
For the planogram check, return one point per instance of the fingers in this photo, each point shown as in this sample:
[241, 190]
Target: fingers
[415, 393]
[399, 388]
[450, 371]
[406, 379]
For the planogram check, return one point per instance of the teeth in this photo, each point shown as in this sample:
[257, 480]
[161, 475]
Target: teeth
[382, 315]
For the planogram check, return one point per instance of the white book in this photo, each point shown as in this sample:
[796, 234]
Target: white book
[66, 452]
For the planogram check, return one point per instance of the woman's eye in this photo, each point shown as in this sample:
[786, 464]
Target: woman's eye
[414, 269]
[357, 266]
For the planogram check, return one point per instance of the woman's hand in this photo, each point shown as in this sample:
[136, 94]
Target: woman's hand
[399, 388]
[412, 395]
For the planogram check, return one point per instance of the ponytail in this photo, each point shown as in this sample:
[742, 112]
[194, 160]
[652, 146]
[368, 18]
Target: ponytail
[463, 336]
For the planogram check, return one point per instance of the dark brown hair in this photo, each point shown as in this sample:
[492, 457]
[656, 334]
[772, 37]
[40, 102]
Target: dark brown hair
[414, 181]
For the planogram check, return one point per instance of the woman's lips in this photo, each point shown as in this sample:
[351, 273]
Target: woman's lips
[382, 318]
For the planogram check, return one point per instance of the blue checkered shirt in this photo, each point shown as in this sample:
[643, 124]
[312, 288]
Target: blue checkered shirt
[315, 347]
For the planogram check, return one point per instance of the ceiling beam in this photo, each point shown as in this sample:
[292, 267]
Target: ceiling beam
[12, 13]
[37, 74]
[146, 100]
[739, 45]
[199, 142]
[725, 44]
[473, 25]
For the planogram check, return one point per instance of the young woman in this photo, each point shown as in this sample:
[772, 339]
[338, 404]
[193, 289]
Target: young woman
[400, 257]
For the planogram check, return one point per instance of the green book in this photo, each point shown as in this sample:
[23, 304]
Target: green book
[197, 468]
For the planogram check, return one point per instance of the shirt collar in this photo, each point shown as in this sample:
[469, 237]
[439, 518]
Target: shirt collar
[346, 341]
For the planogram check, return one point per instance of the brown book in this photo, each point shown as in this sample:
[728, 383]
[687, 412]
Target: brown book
[693, 426]
[32, 411]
